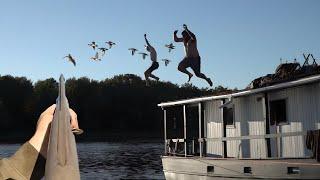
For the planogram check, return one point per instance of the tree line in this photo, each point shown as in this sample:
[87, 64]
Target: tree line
[121, 106]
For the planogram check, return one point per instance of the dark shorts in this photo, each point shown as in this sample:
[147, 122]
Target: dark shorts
[193, 62]
[154, 66]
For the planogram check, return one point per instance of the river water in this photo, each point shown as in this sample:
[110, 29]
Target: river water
[113, 160]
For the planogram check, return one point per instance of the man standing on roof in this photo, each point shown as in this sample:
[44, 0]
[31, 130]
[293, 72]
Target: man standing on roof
[192, 58]
[155, 64]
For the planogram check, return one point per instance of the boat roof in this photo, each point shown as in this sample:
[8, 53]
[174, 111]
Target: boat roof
[299, 82]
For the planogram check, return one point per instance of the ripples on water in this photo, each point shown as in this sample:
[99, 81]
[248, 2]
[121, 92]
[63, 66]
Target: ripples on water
[103, 160]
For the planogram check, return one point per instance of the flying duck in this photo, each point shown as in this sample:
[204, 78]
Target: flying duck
[143, 55]
[170, 46]
[93, 45]
[133, 50]
[71, 59]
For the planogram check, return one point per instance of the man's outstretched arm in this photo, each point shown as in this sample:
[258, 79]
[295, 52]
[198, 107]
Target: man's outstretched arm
[175, 38]
[145, 38]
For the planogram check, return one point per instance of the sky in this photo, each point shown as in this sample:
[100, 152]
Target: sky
[238, 40]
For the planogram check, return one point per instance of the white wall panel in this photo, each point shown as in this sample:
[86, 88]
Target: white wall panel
[213, 119]
[303, 114]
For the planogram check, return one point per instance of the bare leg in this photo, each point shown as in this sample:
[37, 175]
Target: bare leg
[202, 76]
[154, 77]
[196, 67]
[182, 68]
[146, 75]
[148, 72]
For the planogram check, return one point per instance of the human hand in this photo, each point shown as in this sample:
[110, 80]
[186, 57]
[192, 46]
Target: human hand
[39, 138]
[185, 26]
[145, 35]
[175, 32]
[45, 120]
[74, 123]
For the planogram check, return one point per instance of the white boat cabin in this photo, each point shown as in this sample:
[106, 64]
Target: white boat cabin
[268, 122]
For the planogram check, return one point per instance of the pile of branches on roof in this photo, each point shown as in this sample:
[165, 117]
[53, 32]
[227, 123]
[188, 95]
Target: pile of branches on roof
[288, 72]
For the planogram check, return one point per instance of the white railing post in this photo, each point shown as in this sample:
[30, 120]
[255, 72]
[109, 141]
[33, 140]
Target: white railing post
[185, 130]
[200, 142]
[165, 130]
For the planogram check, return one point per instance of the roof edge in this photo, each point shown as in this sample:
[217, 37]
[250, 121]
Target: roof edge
[284, 85]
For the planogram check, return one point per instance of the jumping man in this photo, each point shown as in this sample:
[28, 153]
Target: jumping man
[155, 64]
[192, 58]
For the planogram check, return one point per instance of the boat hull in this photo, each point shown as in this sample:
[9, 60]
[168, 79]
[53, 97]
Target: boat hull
[190, 168]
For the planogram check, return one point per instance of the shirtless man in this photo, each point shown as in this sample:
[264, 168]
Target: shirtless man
[155, 64]
[192, 58]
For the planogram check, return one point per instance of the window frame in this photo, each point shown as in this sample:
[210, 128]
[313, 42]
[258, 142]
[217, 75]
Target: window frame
[275, 123]
[233, 125]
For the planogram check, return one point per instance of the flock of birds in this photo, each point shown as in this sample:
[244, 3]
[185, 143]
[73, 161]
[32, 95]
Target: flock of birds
[101, 51]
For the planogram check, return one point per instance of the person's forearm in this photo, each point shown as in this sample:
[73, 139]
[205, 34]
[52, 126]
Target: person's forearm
[147, 41]
[176, 39]
[188, 31]
[40, 139]
[37, 142]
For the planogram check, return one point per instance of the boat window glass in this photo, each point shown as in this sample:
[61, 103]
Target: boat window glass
[278, 112]
[228, 115]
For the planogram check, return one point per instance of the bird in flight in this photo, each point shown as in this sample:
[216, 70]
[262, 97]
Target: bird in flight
[110, 43]
[166, 61]
[133, 50]
[96, 57]
[93, 45]
[103, 51]
[170, 46]
[143, 55]
[71, 59]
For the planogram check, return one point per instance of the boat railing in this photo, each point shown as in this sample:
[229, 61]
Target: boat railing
[266, 136]
[196, 146]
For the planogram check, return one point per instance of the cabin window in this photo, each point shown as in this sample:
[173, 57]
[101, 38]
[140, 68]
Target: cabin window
[247, 170]
[278, 112]
[293, 170]
[228, 115]
[210, 168]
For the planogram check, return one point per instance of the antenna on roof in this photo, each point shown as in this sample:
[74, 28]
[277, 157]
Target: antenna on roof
[314, 60]
[306, 59]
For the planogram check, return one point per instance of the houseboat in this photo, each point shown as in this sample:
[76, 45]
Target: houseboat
[270, 131]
